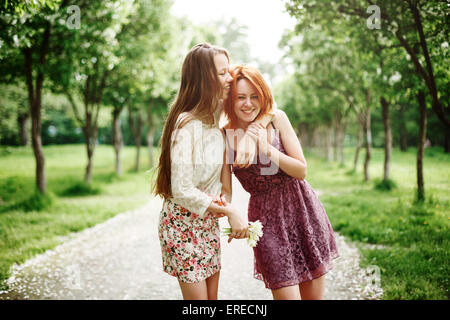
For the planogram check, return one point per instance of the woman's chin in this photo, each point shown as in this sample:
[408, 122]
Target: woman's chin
[247, 117]
[245, 121]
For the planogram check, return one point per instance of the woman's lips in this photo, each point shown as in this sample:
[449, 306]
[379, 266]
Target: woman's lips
[248, 112]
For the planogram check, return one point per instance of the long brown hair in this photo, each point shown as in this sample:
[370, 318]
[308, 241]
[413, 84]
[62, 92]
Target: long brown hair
[199, 95]
[257, 80]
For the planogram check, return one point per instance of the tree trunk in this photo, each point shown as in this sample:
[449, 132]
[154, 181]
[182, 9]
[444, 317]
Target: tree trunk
[137, 140]
[323, 138]
[150, 140]
[23, 122]
[328, 143]
[88, 171]
[93, 92]
[368, 134]
[420, 148]
[437, 106]
[387, 137]
[403, 131]
[150, 133]
[335, 140]
[447, 141]
[117, 138]
[315, 142]
[360, 140]
[136, 129]
[340, 141]
[304, 134]
[90, 137]
[36, 140]
[35, 103]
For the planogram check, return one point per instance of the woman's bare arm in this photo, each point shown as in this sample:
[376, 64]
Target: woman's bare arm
[225, 178]
[293, 162]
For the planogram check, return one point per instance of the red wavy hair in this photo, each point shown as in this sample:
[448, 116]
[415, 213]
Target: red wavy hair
[256, 79]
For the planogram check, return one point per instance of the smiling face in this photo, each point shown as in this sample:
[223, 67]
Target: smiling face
[222, 66]
[248, 103]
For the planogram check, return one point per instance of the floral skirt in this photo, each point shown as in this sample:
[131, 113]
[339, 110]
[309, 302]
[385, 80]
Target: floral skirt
[190, 245]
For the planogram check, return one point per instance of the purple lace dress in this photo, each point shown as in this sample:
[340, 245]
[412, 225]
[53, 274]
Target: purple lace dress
[298, 243]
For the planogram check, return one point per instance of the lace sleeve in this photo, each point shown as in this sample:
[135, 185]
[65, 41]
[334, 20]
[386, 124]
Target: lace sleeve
[184, 192]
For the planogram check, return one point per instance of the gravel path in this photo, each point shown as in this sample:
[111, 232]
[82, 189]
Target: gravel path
[121, 259]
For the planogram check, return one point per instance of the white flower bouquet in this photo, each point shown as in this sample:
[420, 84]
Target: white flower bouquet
[254, 230]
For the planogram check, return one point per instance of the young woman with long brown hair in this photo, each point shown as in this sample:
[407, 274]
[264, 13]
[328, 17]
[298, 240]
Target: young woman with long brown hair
[189, 175]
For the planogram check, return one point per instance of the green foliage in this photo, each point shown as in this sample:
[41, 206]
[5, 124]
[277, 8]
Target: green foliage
[21, 7]
[385, 184]
[13, 104]
[36, 202]
[333, 42]
[81, 189]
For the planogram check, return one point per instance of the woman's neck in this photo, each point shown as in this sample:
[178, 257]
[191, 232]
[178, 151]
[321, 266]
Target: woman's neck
[242, 124]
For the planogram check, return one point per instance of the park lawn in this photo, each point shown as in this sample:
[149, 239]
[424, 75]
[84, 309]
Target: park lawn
[24, 234]
[408, 241]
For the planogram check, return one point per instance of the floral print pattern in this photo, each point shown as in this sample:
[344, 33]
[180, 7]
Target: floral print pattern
[189, 236]
[190, 245]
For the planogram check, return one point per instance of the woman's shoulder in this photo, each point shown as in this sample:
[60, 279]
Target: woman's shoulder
[280, 118]
[226, 126]
[187, 120]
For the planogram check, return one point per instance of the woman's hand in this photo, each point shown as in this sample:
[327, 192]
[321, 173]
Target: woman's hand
[239, 227]
[259, 133]
[220, 200]
[245, 151]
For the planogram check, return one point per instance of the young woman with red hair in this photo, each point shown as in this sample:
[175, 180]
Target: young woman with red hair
[298, 244]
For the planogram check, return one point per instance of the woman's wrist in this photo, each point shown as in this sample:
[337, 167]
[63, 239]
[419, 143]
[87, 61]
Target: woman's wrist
[270, 151]
[265, 147]
[228, 211]
[226, 196]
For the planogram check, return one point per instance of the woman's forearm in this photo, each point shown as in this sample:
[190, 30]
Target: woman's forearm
[291, 166]
[227, 195]
[226, 209]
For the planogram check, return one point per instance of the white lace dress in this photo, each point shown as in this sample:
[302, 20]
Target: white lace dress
[189, 236]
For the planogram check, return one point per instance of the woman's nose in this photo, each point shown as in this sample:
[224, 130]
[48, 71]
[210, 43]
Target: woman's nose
[229, 77]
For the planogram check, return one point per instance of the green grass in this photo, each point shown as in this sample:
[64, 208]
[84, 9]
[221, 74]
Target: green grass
[414, 237]
[31, 224]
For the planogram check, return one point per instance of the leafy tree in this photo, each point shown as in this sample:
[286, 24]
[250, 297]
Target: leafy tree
[90, 53]
[419, 27]
[143, 49]
[25, 39]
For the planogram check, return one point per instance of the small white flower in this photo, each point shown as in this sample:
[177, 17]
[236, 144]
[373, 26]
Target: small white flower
[254, 230]
[251, 243]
